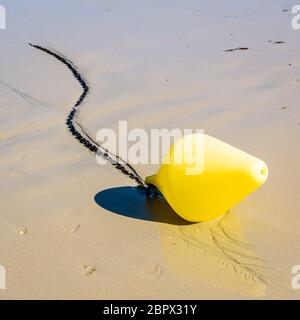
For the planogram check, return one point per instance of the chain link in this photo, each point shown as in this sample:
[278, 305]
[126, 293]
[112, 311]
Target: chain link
[79, 133]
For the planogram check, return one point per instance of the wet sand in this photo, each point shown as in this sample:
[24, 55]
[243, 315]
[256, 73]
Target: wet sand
[71, 228]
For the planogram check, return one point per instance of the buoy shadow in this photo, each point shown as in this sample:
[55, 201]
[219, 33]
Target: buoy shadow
[134, 203]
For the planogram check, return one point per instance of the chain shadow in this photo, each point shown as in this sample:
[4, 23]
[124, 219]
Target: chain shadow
[134, 203]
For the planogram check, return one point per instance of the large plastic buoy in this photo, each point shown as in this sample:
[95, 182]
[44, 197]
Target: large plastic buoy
[202, 177]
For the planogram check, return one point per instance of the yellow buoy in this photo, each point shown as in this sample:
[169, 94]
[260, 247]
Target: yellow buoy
[202, 177]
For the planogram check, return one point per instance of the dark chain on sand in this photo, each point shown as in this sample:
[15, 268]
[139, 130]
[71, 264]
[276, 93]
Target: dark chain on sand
[83, 137]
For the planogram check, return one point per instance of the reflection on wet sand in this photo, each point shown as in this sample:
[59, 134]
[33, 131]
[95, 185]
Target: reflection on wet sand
[214, 252]
[218, 253]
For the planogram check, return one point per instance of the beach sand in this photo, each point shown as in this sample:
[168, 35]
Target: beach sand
[71, 228]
